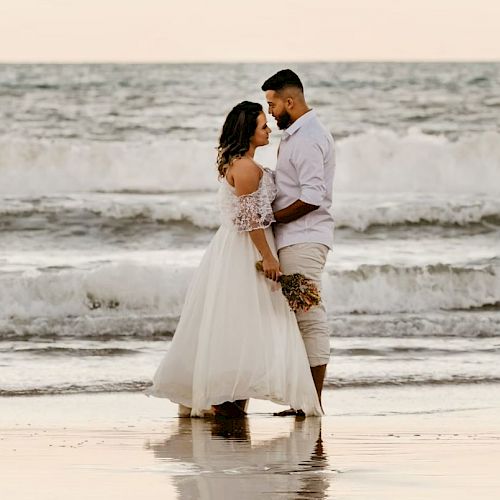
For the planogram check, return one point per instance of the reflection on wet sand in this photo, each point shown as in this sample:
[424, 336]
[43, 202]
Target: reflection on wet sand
[246, 459]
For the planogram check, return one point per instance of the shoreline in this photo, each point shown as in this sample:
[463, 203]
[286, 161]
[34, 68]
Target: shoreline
[372, 443]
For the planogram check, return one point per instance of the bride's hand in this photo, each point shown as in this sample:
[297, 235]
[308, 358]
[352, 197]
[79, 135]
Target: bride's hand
[271, 267]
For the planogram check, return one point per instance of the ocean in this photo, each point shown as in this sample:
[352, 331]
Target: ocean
[108, 199]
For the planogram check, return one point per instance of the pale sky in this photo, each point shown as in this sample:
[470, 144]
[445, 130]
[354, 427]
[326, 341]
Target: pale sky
[250, 30]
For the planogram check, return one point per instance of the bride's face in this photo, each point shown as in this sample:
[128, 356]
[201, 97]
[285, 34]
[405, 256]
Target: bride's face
[262, 131]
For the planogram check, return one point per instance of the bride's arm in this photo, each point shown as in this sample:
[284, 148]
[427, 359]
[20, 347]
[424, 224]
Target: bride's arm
[270, 264]
[246, 176]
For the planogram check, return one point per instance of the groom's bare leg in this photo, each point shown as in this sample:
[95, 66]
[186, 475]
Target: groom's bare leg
[318, 374]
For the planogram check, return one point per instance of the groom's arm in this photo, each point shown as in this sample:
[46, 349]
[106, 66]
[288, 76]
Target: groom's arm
[308, 161]
[293, 212]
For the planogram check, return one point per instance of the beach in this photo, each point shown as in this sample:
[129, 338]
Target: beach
[372, 444]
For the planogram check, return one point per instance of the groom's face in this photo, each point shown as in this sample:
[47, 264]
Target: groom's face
[277, 108]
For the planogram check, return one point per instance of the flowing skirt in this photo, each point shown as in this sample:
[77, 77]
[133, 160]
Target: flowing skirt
[236, 338]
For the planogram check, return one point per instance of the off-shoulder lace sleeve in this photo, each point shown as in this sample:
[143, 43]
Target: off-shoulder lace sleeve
[249, 211]
[252, 211]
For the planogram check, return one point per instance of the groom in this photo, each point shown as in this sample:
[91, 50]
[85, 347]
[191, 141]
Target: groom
[304, 229]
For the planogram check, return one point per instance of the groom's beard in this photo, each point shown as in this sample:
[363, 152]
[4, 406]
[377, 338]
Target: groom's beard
[284, 120]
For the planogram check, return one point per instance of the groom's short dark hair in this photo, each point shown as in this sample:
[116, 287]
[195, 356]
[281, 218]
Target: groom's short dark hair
[281, 80]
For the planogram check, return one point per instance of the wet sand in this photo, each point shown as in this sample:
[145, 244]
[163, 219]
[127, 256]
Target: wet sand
[411, 443]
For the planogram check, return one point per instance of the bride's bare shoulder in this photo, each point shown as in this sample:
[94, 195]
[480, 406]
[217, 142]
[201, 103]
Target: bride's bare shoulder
[245, 168]
[244, 174]
[244, 162]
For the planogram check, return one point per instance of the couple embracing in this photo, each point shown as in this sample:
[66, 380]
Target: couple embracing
[237, 337]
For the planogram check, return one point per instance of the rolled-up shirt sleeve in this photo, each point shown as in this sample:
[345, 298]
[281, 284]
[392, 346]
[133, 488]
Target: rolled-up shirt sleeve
[308, 161]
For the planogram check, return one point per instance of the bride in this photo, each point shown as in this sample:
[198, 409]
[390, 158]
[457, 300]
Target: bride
[237, 337]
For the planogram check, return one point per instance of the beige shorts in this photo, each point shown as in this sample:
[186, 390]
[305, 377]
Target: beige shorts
[309, 259]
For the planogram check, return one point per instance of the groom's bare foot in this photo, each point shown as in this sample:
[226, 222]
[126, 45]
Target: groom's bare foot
[290, 413]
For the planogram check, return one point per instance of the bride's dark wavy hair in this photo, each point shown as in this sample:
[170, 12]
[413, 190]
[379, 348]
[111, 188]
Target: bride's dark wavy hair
[237, 131]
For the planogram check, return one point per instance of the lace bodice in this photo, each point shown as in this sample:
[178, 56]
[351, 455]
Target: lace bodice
[250, 211]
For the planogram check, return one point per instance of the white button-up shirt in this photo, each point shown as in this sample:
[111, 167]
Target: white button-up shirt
[304, 171]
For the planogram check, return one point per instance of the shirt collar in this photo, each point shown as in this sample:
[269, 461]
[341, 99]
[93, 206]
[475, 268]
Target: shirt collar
[305, 118]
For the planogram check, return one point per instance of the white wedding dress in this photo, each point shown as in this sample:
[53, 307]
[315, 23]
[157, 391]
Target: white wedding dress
[236, 338]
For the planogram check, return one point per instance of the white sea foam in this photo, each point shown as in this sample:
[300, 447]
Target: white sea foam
[361, 212]
[131, 288]
[376, 161]
[385, 288]
[58, 166]
[124, 286]
[382, 161]
[358, 212]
